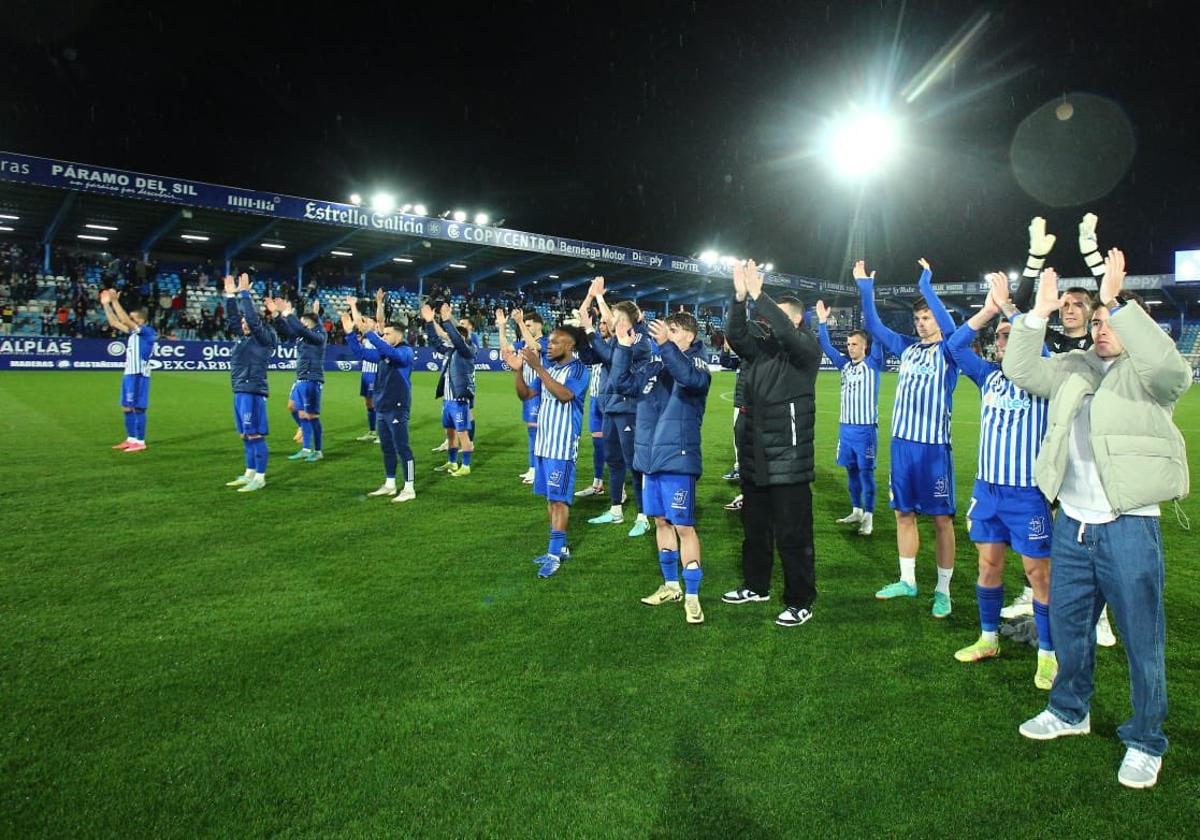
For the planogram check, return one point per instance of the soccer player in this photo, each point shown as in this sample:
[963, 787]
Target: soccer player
[529, 325]
[370, 365]
[922, 470]
[458, 386]
[248, 372]
[393, 400]
[619, 414]
[673, 387]
[560, 419]
[596, 417]
[135, 384]
[308, 335]
[858, 429]
[1007, 509]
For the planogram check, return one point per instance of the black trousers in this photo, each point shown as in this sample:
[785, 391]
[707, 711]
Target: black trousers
[779, 516]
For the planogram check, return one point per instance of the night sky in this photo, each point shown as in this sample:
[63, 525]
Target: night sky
[667, 126]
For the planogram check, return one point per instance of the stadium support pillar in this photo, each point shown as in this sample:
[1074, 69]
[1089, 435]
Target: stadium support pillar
[158, 233]
[420, 286]
[362, 284]
[725, 311]
[245, 242]
[51, 229]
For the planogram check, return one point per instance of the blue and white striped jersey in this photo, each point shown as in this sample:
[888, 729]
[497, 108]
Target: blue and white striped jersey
[138, 349]
[594, 386]
[860, 394]
[924, 394]
[559, 423]
[369, 368]
[1011, 427]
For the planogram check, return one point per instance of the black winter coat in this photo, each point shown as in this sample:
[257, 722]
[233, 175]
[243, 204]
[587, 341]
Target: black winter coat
[776, 427]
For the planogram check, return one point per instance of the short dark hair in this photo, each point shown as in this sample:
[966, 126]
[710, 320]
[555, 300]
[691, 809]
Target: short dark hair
[396, 324]
[791, 300]
[463, 331]
[577, 335]
[309, 317]
[1132, 297]
[470, 321]
[920, 305]
[629, 309]
[1089, 297]
[863, 334]
[685, 321]
[533, 315]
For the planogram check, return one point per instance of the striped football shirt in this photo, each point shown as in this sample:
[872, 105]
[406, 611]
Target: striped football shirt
[138, 348]
[559, 423]
[1011, 427]
[924, 394]
[860, 394]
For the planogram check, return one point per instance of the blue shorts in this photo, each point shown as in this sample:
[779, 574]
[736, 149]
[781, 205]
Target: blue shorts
[595, 415]
[857, 445]
[554, 479]
[671, 496]
[135, 391]
[306, 394]
[1016, 516]
[456, 414]
[250, 414]
[922, 478]
[366, 385]
[530, 409]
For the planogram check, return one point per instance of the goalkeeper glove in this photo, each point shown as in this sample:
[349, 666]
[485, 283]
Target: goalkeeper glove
[1089, 247]
[1040, 244]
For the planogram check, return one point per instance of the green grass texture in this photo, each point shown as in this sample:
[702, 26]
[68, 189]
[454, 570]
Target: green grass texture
[180, 660]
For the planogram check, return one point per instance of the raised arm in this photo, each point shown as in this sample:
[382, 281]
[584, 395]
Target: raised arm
[297, 328]
[532, 356]
[839, 361]
[941, 314]
[402, 355]
[959, 344]
[1040, 245]
[1023, 362]
[622, 377]
[122, 316]
[109, 314]
[692, 374]
[380, 306]
[1162, 371]
[799, 342]
[893, 342]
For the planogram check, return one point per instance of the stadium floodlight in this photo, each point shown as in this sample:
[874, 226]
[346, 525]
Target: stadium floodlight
[6, 229]
[401, 259]
[91, 238]
[405, 208]
[194, 237]
[342, 253]
[709, 256]
[729, 259]
[100, 227]
[355, 199]
[769, 267]
[860, 144]
[458, 265]
[274, 246]
[9, 218]
[552, 277]
[460, 215]
[383, 203]
[481, 218]
[1012, 275]
[420, 209]
[507, 271]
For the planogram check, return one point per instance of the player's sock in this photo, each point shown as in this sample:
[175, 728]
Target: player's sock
[854, 480]
[248, 445]
[615, 510]
[370, 419]
[598, 459]
[452, 454]
[1041, 620]
[466, 457]
[531, 431]
[260, 456]
[990, 599]
[668, 561]
[943, 582]
[390, 482]
[307, 431]
[296, 417]
[139, 425]
[868, 489]
[908, 570]
[558, 539]
[410, 472]
[130, 429]
[692, 576]
[317, 433]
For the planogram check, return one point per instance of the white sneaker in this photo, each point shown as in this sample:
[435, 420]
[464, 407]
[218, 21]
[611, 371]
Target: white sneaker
[855, 517]
[691, 609]
[385, 490]
[1104, 632]
[868, 525]
[1138, 769]
[527, 476]
[239, 481]
[406, 495]
[1047, 726]
[1021, 605]
[590, 490]
[368, 436]
[253, 484]
[445, 445]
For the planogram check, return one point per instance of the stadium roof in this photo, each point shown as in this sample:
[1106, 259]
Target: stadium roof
[55, 202]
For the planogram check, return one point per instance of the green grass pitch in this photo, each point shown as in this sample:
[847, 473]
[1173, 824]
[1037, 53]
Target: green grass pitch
[179, 660]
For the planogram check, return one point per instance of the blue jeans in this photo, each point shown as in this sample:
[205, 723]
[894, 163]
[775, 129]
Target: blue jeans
[1120, 563]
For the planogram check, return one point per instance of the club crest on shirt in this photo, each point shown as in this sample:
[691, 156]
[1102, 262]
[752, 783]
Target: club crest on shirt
[679, 500]
[941, 487]
[555, 479]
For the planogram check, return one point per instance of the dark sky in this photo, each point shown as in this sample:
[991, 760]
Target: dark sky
[667, 126]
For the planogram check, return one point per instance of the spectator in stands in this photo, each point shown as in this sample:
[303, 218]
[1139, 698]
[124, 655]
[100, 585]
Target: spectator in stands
[7, 314]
